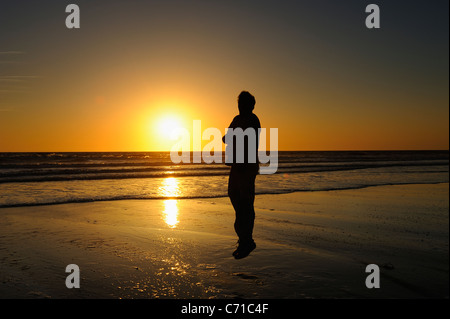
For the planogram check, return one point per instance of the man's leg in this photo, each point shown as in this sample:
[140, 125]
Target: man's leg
[247, 199]
[234, 193]
[242, 193]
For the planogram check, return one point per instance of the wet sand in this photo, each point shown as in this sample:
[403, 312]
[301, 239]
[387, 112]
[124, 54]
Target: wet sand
[309, 245]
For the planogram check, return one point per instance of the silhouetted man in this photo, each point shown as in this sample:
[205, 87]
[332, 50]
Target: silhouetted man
[243, 139]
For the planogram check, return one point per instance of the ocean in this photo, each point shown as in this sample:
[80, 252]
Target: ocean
[28, 179]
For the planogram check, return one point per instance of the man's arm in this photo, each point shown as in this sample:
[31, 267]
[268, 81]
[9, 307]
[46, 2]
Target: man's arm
[232, 125]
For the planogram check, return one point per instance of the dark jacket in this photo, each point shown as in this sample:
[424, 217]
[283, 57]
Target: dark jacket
[244, 121]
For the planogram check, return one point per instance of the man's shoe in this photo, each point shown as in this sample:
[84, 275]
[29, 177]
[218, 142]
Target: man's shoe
[236, 251]
[244, 250]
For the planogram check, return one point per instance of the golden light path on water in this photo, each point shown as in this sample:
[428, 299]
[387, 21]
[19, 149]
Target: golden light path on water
[170, 188]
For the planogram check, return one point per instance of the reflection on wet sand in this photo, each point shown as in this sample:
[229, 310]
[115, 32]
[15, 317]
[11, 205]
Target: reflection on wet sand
[169, 188]
[171, 212]
[169, 267]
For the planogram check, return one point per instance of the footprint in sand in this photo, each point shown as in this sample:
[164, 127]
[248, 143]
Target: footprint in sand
[244, 276]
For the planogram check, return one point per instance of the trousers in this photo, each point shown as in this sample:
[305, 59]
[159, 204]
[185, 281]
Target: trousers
[241, 190]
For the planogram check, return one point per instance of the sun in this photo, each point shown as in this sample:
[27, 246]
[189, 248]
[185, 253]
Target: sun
[167, 125]
[165, 129]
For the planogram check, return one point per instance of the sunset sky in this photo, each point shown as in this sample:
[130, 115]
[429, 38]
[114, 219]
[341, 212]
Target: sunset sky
[318, 74]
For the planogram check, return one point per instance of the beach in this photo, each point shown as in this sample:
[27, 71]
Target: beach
[310, 244]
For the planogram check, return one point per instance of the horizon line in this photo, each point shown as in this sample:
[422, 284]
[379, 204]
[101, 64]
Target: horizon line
[344, 150]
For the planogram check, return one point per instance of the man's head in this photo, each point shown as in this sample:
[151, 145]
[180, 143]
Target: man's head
[246, 102]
